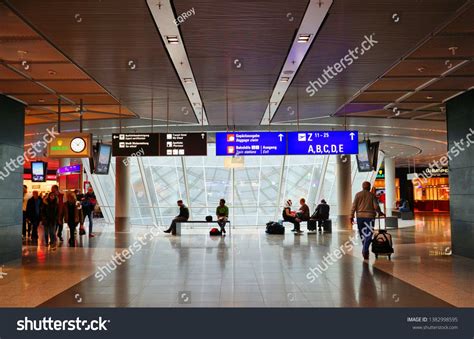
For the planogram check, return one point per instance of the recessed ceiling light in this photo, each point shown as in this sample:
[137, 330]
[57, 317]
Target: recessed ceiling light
[41, 100]
[52, 72]
[187, 80]
[304, 38]
[172, 39]
[21, 52]
[284, 79]
[420, 69]
[429, 97]
[288, 72]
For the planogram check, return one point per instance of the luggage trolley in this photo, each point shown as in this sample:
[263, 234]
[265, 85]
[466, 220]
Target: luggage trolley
[382, 243]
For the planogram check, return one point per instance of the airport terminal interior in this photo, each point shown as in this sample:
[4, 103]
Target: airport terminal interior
[205, 153]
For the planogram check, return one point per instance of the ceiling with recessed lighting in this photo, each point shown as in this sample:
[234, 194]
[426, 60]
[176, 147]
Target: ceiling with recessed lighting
[229, 59]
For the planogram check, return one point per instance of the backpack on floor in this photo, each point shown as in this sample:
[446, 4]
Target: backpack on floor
[215, 231]
[275, 228]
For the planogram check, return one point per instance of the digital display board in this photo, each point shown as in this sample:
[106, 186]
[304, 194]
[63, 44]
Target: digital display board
[183, 144]
[363, 162]
[250, 143]
[103, 159]
[322, 143]
[38, 171]
[133, 144]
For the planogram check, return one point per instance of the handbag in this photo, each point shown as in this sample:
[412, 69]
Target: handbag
[82, 231]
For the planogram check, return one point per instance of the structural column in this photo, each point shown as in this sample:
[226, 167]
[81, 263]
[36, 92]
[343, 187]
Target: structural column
[390, 187]
[12, 131]
[122, 195]
[344, 191]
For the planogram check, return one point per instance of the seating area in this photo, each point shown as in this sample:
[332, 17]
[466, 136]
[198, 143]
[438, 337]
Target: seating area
[197, 222]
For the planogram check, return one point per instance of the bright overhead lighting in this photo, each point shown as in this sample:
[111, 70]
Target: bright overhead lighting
[429, 97]
[187, 80]
[172, 39]
[304, 38]
[284, 79]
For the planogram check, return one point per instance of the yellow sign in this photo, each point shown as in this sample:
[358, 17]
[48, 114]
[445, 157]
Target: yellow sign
[71, 145]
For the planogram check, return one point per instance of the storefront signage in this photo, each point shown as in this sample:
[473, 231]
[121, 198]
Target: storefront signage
[71, 145]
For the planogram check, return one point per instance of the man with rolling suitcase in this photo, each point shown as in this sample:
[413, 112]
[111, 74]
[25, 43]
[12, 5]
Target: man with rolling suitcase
[366, 207]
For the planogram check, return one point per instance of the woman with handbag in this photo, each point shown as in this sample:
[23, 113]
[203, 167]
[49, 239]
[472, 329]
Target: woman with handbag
[72, 216]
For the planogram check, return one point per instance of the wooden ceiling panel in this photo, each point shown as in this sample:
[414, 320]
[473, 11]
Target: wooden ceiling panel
[452, 83]
[397, 84]
[20, 86]
[7, 74]
[74, 86]
[379, 96]
[54, 71]
[439, 47]
[430, 96]
[422, 68]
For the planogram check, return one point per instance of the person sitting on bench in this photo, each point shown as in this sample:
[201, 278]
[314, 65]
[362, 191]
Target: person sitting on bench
[183, 216]
[404, 206]
[303, 213]
[321, 214]
[289, 216]
[222, 214]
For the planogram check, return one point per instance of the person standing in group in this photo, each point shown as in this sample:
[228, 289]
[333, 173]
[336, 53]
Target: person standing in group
[222, 214]
[60, 201]
[50, 219]
[88, 206]
[289, 216]
[72, 216]
[366, 207]
[33, 213]
[182, 216]
[26, 228]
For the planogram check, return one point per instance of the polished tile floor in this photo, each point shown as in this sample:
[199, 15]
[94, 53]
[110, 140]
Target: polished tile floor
[247, 269]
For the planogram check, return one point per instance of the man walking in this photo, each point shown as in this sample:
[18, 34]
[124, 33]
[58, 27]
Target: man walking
[182, 216]
[33, 213]
[366, 207]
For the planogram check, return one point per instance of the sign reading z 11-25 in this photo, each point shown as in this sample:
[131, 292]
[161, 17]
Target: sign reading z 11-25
[158, 144]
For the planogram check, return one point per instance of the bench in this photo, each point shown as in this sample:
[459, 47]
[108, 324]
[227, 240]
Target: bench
[178, 224]
[327, 225]
[407, 215]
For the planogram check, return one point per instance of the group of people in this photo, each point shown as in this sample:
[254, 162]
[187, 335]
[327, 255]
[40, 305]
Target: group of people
[53, 210]
[222, 214]
[321, 214]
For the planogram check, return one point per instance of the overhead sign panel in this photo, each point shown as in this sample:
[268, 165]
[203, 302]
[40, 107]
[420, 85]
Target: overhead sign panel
[158, 144]
[322, 143]
[132, 144]
[250, 143]
[183, 144]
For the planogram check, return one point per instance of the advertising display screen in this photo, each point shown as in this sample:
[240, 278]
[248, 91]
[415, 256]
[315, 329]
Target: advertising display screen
[363, 162]
[250, 143]
[102, 164]
[38, 171]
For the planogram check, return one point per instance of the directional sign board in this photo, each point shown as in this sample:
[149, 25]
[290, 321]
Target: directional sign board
[250, 143]
[183, 144]
[321, 143]
[133, 144]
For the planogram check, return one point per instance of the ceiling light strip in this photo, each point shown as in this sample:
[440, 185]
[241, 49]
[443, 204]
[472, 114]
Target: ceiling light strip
[165, 22]
[310, 25]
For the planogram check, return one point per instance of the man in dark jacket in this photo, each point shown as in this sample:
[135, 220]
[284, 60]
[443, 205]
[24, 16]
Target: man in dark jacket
[182, 216]
[33, 213]
[88, 205]
[321, 214]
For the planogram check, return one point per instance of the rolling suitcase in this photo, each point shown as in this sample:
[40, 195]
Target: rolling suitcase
[312, 225]
[382, 243]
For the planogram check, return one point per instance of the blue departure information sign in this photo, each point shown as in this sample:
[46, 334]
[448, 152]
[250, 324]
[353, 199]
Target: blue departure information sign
[250, 143]
[329, 142]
